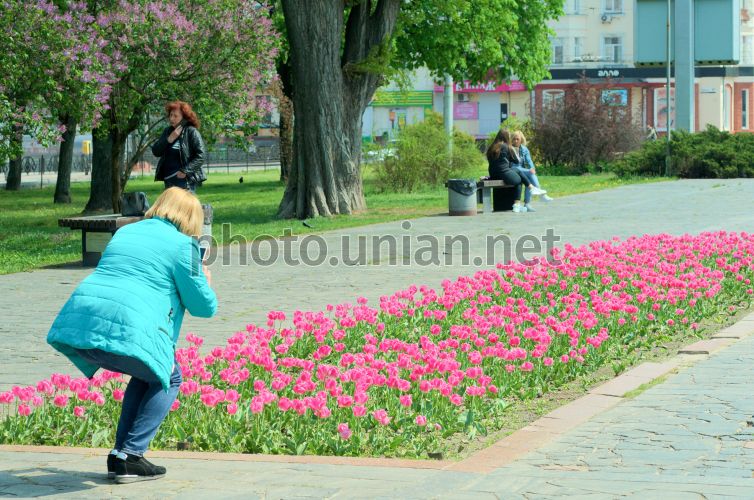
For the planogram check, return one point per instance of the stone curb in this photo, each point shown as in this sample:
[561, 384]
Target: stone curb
[521, 442]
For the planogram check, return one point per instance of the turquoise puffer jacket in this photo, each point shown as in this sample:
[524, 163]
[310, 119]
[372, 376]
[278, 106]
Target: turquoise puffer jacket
[133, 303]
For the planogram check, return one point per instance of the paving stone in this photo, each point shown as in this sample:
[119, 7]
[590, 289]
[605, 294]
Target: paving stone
[705, 346]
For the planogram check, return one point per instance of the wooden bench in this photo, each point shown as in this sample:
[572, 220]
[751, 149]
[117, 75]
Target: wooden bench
[96, 232]
[485, 186]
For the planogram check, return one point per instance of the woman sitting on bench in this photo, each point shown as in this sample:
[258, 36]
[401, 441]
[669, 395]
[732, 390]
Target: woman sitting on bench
[525, 166]
[501, 157]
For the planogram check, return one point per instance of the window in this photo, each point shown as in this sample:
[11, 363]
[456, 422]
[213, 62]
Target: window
[613, 6]
[745, 109]
[578, 44]
[573, 7]
[747, 50]
[557, 51]
[612, 49]
[551, 98]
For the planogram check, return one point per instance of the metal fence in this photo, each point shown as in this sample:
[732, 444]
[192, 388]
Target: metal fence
[262, 155]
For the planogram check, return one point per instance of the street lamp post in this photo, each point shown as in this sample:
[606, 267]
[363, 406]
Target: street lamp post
[667, 95]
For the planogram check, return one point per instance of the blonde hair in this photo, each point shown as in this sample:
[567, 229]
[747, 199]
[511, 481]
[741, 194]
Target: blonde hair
[180, 207]
[520, 135]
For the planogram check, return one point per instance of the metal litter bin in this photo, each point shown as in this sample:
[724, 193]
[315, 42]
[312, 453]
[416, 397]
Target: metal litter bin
[461, 196]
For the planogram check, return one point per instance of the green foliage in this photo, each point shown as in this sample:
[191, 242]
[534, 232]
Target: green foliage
[465, 39]
[421, 158]
[712, 153]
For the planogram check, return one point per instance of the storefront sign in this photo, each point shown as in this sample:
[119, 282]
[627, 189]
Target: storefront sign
[608, 73]
[466, 86]
[465, 110]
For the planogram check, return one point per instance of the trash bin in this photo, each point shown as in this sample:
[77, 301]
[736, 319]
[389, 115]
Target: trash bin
[461, 196]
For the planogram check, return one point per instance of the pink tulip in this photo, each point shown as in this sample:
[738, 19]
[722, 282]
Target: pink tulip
[79, 411]
[61, 400]
[344, 431]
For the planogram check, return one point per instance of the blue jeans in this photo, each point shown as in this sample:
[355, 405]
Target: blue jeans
[181, 183]
[533, 181]
[145, 403]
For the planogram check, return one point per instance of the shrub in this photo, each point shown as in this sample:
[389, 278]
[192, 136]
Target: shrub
[580, 132]
[421, 157]
[709, 154]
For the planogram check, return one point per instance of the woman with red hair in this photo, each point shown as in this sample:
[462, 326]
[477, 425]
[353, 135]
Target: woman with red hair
[180, 149]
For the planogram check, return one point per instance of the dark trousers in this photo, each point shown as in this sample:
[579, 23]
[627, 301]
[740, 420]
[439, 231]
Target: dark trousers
[181, 183]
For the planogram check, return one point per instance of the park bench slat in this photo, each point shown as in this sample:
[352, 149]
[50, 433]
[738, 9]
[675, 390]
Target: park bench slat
[107, 222]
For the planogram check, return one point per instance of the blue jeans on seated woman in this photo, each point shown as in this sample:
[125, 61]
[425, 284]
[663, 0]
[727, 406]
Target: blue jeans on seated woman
[181, 183]
[145, 403]
[529, 177]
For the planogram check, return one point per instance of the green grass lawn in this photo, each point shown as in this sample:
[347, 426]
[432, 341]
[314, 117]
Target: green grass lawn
[30, 237]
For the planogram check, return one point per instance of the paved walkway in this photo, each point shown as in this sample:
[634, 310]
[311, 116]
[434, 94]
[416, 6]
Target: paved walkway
[681, 439]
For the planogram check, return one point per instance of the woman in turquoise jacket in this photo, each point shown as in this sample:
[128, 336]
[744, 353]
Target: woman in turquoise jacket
[126, 317]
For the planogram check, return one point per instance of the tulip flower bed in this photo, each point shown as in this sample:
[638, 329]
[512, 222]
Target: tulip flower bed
[400, 378]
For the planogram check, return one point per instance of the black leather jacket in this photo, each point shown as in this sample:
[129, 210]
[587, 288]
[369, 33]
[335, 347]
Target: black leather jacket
[192, 154]
[502, 164]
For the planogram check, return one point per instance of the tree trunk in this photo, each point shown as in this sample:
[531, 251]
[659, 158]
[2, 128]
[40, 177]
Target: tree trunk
[100, 196]
[285, 108]
[116, 167]
[65, 161]
[330, 94]
[13, 179]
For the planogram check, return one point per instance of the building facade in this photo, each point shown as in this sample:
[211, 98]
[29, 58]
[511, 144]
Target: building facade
[595, 39]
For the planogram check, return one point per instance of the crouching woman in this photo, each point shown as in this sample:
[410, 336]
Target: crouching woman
[126, 317]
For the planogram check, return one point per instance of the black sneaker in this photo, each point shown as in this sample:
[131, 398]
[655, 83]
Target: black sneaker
[111, 466]
[135, 468]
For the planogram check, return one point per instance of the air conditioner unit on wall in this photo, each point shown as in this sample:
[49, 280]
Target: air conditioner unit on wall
[605, 18]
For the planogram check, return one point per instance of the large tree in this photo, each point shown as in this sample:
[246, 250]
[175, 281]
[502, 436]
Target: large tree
[214, 54]
[51, 61]
[341, 50]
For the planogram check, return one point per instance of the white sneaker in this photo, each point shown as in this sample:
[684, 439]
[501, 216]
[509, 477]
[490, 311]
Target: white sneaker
[546, 198]
[518, 208]
[529, 208]
[537, 191]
